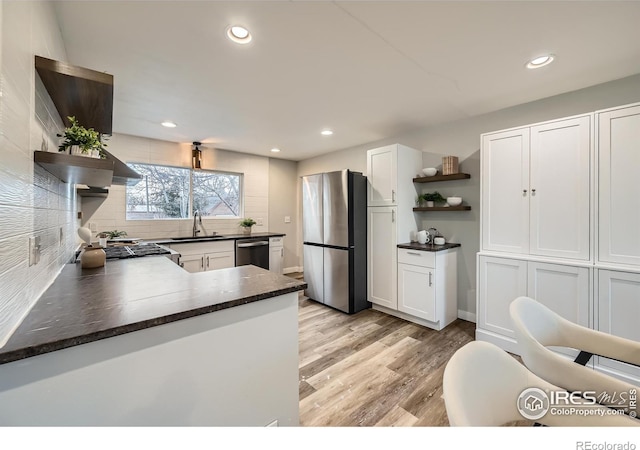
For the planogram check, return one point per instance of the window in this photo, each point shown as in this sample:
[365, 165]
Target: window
[167, 192]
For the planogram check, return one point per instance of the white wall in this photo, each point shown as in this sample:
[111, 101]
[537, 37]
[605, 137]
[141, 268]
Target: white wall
[462, 139]
[109, 213]
[283, 201]
[32, 202]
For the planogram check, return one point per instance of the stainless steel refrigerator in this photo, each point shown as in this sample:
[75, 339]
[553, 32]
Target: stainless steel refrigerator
[334, 227]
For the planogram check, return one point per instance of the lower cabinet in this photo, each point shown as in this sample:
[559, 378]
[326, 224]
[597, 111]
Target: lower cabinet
[427, 287]
[276, 254]
[618, 309]
[563, 288]
[203, 256]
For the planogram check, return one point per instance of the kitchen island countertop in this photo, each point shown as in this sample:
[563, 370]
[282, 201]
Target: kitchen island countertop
[85, 305]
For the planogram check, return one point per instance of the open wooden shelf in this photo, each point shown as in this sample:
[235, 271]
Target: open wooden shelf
[455, 176]
[442, 208]
[76, 169]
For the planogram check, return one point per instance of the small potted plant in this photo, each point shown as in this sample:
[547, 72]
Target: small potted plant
[431, 198]
[246, 225]
[79, 140]
[114, 234]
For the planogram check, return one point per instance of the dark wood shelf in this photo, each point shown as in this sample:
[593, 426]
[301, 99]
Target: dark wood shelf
[76, 91]
[76, 169]
[442, 208]
[455, 176]
[93, 192]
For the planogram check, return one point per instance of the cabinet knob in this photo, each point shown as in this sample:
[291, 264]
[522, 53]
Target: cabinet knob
[524, 192]
[533, 192]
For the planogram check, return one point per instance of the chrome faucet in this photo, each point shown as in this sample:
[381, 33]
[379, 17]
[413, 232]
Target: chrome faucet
[197, 215]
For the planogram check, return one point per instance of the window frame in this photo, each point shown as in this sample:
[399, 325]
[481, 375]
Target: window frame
[241, 202]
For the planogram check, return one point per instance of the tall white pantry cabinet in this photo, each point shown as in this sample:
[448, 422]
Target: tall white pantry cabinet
[560, 221]
[390, 220]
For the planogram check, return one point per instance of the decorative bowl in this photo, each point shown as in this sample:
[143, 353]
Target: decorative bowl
[438, 240]
[454, 201]
[430, 171]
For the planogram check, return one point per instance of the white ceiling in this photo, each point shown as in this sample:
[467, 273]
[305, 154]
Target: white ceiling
[366, 69]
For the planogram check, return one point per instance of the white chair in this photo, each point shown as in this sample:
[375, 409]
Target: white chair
[537, 327]
[482, 385]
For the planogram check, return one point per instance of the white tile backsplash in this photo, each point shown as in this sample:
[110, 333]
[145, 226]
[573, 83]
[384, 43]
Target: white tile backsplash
[32, 201]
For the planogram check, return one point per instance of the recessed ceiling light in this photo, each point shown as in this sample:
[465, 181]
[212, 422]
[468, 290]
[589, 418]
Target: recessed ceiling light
[326, 132]
[275, 150]
[540, 61]
[168, 124]
[239, 34]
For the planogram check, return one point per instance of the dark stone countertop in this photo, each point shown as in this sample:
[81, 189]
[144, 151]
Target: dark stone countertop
[428, 247]
[85, 305]
[219, 237]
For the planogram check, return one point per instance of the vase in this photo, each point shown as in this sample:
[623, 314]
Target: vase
[429, 204]
[93, 257]
[246, 230]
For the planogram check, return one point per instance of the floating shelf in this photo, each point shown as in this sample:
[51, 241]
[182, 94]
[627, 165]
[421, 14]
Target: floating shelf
[76, 169]
[455, 176]
[92, 192]
[442, 208]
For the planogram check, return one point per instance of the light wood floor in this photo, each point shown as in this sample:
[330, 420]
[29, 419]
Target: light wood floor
[372, 369]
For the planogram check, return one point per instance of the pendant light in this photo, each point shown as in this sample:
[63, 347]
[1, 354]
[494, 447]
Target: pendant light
[196, 156]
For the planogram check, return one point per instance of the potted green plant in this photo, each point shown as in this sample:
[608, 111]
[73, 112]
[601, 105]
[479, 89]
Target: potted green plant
[246, 224]
[430, 198]
[114, 234]
[81, 141]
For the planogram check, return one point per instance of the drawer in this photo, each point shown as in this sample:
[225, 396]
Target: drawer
[198, 248]
[276, 241]
[417, 257]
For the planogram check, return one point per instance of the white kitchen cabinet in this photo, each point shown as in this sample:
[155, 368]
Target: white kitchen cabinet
[618, 311]
[390, 173]
[276, 254]
[618, 187]
[391, 196]
[536, 189]
[382, 267]
[564, 289]
[427, 286]
[203, 256]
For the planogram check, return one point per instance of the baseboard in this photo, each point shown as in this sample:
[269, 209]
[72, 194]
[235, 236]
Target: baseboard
[465, 315]
[292, 269]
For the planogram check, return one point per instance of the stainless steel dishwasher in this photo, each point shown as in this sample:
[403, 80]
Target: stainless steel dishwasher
[252, 251]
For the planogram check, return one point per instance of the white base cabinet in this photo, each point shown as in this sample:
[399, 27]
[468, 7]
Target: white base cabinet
[562, 288]
[618, 312]
[427, 286]
[276, 254]
[203, 256]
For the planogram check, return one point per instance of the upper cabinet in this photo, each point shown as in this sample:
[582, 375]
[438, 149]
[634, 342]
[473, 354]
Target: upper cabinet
[536, 188]
[618, 187]
[390, 177]
[87, 95]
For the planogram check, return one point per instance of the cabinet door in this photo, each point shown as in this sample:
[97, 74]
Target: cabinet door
[276, 255]
[416, 291]
[500, 282]
[619, 190]
[559, 188]
[219, 260]
[382, 171]
[505, 191]
[563, 289]
[382, 257]
[192, 263]
[618, 312]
